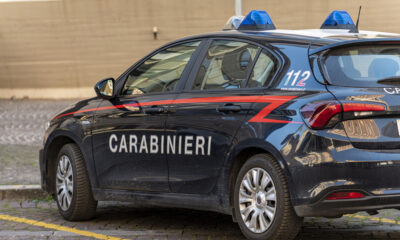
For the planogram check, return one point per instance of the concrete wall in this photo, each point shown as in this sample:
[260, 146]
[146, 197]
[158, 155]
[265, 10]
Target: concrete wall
[60, 48]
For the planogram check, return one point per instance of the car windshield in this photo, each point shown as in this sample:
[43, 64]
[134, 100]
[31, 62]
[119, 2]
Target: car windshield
[363, 66]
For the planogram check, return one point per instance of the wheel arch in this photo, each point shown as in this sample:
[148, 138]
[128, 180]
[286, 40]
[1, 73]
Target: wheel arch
[52, 147]
[241, 153]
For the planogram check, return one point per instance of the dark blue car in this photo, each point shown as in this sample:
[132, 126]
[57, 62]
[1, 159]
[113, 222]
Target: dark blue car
[266, 125]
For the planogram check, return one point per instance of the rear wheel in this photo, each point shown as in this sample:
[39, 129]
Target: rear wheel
[262, 202]
[72, 187]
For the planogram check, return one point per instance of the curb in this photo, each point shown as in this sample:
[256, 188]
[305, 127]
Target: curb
[21, 192]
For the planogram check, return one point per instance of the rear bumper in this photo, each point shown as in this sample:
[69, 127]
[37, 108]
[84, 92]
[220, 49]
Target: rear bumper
[326, 162]
[333, 208]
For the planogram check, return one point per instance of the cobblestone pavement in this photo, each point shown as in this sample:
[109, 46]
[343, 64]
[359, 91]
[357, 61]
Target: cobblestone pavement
[22, 122]
[130, 222]
[22, 125]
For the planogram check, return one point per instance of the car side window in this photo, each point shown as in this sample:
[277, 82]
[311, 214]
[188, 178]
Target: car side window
[263, 71]
[161, 72]
[226, 65]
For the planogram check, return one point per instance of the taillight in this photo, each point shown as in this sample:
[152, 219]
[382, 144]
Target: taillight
[326, 114]
[345, 195]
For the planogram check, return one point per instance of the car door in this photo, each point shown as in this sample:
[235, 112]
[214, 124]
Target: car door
[129, 130]
[207, 115]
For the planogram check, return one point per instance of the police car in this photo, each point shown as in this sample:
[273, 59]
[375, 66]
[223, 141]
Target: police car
[266, 125]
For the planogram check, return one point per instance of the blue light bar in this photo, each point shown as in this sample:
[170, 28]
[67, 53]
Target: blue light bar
[257, 20]
[339, 20]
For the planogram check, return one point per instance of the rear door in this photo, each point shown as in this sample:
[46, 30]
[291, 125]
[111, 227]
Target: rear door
[206, 116]
[367, 79]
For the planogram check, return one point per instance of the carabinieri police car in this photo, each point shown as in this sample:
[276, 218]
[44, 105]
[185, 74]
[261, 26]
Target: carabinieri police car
[266, 125]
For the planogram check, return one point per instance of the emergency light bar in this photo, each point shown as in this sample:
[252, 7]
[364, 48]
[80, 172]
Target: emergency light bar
[339, 20]
[254, 20]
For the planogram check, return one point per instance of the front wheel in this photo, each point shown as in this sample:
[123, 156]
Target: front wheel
[72, 187]
[262, 203]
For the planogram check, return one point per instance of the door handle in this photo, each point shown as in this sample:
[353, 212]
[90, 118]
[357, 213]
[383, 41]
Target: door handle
[154, 109]
[229, 108]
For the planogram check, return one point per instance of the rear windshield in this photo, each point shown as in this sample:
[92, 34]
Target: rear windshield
[362, 66]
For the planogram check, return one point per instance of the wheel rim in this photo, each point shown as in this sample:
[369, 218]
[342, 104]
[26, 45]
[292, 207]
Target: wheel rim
[257, 200]
[64, 182]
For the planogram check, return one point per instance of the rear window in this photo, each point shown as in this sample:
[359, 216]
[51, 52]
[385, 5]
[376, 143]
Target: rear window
[362, 66]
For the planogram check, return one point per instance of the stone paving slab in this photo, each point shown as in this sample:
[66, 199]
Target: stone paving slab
[21, 192]
[125, 220]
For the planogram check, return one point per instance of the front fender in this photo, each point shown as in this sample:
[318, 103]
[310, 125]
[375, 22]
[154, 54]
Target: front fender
[69, 130]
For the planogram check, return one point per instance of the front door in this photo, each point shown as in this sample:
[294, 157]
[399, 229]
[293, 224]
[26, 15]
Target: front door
[129, 130]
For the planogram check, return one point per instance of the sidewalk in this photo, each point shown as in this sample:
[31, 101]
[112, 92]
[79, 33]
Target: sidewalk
[22, 124]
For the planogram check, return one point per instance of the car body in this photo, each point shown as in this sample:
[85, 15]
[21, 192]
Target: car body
[183, 145]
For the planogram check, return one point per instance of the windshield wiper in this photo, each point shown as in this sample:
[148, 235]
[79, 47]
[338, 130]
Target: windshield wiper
[390, 81]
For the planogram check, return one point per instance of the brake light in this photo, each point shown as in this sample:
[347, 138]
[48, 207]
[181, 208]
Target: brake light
[326, 114]
[345, 195]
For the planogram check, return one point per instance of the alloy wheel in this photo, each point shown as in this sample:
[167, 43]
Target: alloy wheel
[64, 182]
[257, 200]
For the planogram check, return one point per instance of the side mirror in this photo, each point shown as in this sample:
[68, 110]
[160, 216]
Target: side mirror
[105, 88]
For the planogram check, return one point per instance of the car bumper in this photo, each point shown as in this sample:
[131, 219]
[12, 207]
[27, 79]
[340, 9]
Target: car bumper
[335, 208]
[326, 162]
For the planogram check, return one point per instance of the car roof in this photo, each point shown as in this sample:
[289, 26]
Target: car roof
[315, 38]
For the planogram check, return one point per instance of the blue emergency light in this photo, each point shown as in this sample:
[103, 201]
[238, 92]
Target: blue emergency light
[256, 20]
[339, 20]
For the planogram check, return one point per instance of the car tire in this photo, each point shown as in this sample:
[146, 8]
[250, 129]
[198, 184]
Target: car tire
[73, 192]
[264, 210]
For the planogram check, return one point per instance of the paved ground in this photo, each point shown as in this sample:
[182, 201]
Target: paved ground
[21, 130]
[22, 124]
[129, 222]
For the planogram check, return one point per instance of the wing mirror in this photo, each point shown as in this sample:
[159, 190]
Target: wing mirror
[105, 88]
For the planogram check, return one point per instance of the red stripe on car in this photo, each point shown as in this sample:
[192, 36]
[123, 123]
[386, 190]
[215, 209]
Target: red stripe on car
[275, 101]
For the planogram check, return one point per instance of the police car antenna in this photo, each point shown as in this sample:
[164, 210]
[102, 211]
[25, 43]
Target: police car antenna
[358, 19]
